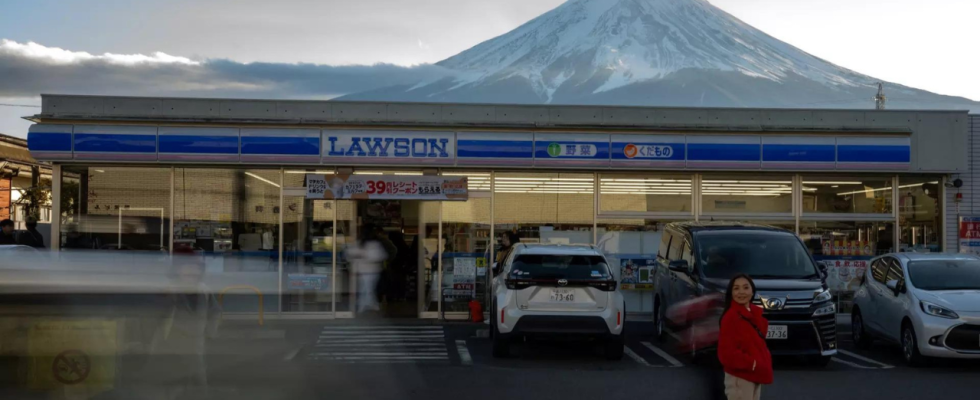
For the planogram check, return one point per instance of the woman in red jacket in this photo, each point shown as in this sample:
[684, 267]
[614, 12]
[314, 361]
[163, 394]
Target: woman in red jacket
[742, 342]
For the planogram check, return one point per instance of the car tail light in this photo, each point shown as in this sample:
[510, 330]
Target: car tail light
[619, 314]
[605, 286]
[502, 311]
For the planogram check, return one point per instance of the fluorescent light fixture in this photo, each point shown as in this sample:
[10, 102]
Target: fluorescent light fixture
[310, 172]
[262, 179]
[368, 173]
[885, 188]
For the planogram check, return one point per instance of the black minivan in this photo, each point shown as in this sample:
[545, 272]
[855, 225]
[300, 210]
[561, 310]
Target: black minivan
[697, 259]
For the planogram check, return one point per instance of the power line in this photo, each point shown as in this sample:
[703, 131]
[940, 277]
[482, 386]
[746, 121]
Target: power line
[18, 105]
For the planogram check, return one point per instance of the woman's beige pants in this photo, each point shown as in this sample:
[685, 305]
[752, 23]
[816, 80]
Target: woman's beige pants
[740, 389]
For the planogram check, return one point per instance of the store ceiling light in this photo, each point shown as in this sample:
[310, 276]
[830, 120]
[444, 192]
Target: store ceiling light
[309, 172]
[885, 188]
[262, 179]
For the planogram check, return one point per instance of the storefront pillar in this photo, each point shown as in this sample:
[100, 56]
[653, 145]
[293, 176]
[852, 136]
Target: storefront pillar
[55, 207]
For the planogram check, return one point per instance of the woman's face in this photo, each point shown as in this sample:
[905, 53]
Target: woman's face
[504, 240]
[742, 291]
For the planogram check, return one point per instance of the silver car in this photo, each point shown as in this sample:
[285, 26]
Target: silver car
[927, 303]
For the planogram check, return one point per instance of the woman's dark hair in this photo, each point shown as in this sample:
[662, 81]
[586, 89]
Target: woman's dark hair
[512, 237]
[731, 286]
[368, 233]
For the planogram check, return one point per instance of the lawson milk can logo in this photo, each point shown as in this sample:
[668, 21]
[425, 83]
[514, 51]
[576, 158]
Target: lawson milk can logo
[647, 151]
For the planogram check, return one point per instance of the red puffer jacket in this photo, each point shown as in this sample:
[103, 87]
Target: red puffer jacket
[741, 341]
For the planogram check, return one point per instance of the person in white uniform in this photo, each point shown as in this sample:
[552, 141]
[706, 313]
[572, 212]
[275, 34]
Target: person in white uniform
[365, 258]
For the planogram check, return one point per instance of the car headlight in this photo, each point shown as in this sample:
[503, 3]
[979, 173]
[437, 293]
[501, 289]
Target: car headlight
[822, 297]
[825, 310]
[937, 311]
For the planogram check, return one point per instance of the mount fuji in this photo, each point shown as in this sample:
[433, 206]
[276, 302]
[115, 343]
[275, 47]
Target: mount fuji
[650, 53]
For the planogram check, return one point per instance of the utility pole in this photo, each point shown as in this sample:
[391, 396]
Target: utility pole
[880, 97]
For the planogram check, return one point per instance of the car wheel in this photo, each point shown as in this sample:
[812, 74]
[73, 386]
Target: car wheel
[858, 331]
[819, 361]
[910, 347]
[616, 346]
[658, 322]
[500, 345]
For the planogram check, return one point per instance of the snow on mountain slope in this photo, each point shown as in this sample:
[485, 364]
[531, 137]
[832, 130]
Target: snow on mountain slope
[628, 41]
[649, 52]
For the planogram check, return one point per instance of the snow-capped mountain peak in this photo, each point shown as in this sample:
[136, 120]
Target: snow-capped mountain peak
[614, 43]
[649, 52]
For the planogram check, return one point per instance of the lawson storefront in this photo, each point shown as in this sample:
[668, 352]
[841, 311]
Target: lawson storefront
[272, 192]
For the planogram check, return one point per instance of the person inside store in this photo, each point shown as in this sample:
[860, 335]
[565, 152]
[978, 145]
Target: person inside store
[742, 348]
[507, 241]
[399, 268]
[31, 237]
[7, 232]
[365, 257]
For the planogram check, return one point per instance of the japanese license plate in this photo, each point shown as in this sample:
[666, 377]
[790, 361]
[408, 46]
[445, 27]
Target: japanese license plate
[777, 332]
[562, 295]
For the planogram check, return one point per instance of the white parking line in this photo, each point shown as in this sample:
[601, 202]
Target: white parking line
[292, 354]
[865, 359]
[464, 353]
[636, 357]
[835, 359]
[663, 354]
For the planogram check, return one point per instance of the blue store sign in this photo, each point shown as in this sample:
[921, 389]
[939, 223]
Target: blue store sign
[394, 147]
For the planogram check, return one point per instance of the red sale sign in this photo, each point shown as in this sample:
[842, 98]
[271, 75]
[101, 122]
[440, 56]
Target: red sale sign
[382, 187]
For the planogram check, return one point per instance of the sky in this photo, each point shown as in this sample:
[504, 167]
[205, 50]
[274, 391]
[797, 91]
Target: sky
[913, 42]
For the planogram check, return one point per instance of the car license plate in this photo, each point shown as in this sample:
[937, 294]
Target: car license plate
[562, 295]
[777, 332]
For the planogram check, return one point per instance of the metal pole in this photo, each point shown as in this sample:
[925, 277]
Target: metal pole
[55, 207]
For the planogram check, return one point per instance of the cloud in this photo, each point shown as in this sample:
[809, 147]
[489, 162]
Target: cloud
[30, 69]
[423, 45]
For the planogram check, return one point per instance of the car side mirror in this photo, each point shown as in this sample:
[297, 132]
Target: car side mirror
[894, 286]
[678, 265]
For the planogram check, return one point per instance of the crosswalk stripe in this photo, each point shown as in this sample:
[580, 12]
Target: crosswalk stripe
[381, 344]
[406, 327]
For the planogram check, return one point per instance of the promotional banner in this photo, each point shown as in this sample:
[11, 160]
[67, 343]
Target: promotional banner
[844, 273]
[969, 236]
[464, 276]
[636, 274]
[384, 187]
[848, 248]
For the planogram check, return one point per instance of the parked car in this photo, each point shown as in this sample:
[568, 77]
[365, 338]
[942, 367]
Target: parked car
[697, 259]
[556, 290]
[927, 303]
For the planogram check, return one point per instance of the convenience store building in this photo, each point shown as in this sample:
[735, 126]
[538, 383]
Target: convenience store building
[268, 189]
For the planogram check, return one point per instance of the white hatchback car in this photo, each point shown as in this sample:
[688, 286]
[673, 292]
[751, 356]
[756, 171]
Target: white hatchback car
[556, 290]
[927, 303]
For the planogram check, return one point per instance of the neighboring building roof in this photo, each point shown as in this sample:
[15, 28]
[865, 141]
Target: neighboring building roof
[14, 150]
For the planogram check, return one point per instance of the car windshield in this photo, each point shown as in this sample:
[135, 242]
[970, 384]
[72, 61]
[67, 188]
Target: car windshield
[550, 266]
[945, 274]
[761, 255]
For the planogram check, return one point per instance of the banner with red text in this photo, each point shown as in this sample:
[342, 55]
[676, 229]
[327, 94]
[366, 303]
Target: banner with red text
[386, 187]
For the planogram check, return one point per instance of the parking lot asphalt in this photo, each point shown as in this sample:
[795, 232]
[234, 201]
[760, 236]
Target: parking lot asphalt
[410, 360]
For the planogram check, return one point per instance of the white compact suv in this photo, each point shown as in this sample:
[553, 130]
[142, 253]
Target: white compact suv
[927, 303]
[556, 290]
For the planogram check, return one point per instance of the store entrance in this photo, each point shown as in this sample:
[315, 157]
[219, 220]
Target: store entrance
[395, 224]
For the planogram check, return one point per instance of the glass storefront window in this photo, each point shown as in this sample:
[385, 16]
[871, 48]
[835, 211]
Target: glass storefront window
[919, 214]
[545, 207]
[466, 224]
[644, 193]
[232, 217]
[728, 194]
[847, 195]
[116, 208]
[846, 248]
[630, 246]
